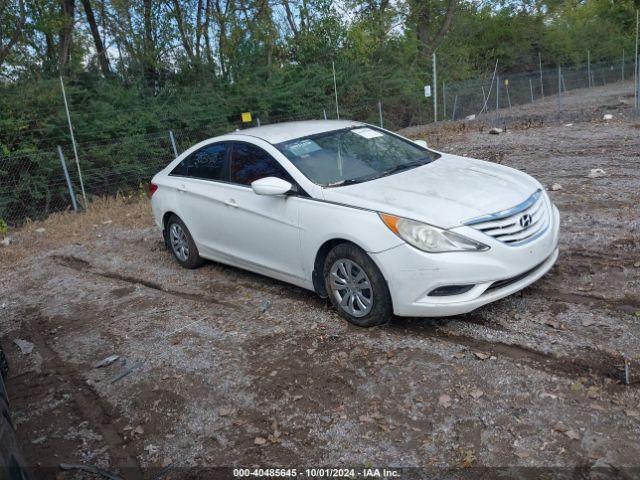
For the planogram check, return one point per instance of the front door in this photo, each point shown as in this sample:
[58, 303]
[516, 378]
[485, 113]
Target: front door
[261, 231]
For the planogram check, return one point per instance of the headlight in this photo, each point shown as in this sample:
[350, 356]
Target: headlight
[428, 238]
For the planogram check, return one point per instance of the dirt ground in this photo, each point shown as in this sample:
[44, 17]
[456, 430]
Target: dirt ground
[220, 367]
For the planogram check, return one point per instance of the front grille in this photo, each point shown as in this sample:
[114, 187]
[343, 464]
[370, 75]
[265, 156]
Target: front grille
[517, 225]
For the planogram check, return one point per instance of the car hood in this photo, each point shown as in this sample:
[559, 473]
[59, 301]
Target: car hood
[446, 192]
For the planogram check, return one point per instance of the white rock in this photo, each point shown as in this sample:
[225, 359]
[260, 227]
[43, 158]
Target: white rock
[596, 172]
[556, 186]
[568, 124]
[470, 117]
[6, 241]
[495, 131]
[152, 449]
[40, 230]
[39, 440]
[106, 361]
[607, 116]
[24, 346]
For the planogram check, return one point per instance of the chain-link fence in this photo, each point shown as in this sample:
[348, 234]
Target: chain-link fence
[33, 185]
[475, 97]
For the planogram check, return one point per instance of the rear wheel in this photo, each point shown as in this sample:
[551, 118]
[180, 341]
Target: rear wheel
[356, 286]
[181, 243]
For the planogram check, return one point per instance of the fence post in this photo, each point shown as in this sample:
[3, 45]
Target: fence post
[484, 101]
[73, 141]
[541, 80]
[455, 104]
[497, 95]
[258, 120]
[380, 113]
[173, 143]
[335, 89]
[444, 100]
[531, 89]
[506, 86]
[589, 67]
[324, 112]
[435, 87]
[559, 89]
[622, 66]
[66, 176]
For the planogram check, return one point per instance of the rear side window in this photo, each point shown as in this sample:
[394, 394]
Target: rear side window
[206, 163]
[248, 163]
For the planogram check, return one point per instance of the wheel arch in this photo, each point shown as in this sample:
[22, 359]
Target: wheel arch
[318, 263]
[165, 218]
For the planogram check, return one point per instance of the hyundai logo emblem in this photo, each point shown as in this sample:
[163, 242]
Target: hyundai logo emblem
[525, 220]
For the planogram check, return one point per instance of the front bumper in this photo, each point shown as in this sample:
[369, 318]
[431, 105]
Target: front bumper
[412, 274]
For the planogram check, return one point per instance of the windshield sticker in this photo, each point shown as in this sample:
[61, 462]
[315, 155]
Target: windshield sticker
[303, 148]
[367, 132]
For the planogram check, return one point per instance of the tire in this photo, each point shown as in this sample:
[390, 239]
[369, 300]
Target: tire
[181, 243]
[363, 300]
[4, 364]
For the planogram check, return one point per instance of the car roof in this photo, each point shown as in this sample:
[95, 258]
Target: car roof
[281, 132]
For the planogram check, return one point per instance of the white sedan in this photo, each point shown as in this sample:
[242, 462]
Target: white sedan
[378, 223]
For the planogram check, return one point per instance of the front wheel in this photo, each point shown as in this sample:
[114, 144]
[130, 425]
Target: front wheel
[356, 286]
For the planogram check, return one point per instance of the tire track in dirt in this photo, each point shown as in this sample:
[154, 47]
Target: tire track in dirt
[595, 363]
[626, 304]
[88, 404]
[81, 265]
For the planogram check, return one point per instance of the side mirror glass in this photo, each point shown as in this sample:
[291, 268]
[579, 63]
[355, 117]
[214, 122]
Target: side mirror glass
[422, 143]
[271, 186]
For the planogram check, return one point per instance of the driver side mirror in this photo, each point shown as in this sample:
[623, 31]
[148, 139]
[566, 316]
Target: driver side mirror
[422, 143]
[271, 186]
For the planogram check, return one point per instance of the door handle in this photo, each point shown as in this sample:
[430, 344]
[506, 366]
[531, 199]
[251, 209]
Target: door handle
[182, 188]
[231, 203]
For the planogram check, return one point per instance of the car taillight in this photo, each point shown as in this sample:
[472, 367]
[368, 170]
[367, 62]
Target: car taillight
[152, 189]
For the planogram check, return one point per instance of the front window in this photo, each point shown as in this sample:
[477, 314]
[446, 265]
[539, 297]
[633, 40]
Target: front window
[249, 163]
[353, 155]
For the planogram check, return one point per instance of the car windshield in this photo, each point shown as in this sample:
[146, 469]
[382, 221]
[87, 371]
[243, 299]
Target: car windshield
[353, 155]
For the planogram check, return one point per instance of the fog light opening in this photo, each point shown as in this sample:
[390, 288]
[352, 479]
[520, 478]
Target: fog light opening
[448, 290]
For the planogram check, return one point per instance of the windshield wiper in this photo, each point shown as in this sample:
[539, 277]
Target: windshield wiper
[342, 183]
[404, 166]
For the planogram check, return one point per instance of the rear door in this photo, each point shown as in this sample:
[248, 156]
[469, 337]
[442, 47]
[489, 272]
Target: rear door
[201, 202]
[261, 231]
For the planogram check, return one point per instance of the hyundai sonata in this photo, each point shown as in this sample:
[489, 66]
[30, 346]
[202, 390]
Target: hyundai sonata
[378, 223]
